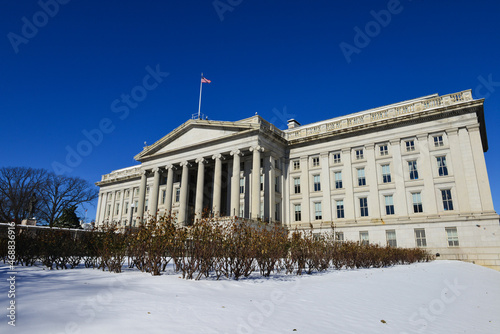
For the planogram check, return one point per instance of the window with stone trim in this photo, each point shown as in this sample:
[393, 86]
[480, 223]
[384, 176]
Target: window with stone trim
[447, 200]
[438, 141]
[317, 182]
[126, 207]
[410, 145]
[315, 161]
[339, 236]
[336, 158]
[177, 195]
[361, 177]
[296, 165]
[390, 235]
[412, 167]
[363, 206]
[340, 209]
[338, 180]
[296, 185]
[136, 206]
[389, 205]
[452, 234]
[417, 202]
[384, 150]
[420, 239]
[242, 185]
[442, 168]
[364, 238]
[386, 173]
[298, 212]
[359, 154]
[318, 215]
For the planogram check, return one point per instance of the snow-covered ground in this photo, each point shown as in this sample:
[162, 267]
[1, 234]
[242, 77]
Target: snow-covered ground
[436, 297]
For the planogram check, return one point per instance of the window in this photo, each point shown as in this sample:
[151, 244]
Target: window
[242, 166]
[177, 195]
[242, 185]
[383, 150]
[412, 166]
[296, 164]
[317, 211]
[117, 211]
[340, 209]
[390, 235]
[276, 164]
[128, 193]
[298, 212]
[146, 205]
[336, 158]
[118, 194]
[277, 184]
[339, 236]
[338, 180]
[442, 169]
[163, 196]
[136, 191]
[389, 205]
[261, 210]
[438, 141]
[262, 183]
[147, 190]
[136, 206]
[452, 234]
[361, 177]
[315, 161]
[363, 238]
[359, 154]
[317, 183]
[410, 145]
[126, 207]
[420, 237]
[447, 201]
[386, 173]
[109, 210]
[296, 185]
[363, 206]
[417, 203]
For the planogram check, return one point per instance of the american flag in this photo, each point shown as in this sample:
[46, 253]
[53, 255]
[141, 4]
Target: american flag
[205, 80]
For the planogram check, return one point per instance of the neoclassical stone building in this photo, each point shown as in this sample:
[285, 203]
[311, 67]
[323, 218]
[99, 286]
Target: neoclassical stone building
[408, 174]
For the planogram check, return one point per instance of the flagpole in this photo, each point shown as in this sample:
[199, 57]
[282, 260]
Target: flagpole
[199, 103]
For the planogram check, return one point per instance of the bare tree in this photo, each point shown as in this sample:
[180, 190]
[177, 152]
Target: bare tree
[62, 192]
[17, 187]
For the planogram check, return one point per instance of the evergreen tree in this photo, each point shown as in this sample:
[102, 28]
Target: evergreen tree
[68, 218]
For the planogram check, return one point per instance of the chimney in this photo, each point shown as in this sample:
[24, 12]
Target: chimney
[293, 123]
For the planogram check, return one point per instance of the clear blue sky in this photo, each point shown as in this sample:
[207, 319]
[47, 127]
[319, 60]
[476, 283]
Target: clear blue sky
[66, 72]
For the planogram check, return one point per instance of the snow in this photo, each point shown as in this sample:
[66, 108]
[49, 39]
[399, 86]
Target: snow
[435, 297]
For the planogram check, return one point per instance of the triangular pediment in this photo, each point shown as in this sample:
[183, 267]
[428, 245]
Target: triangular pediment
[194, 133]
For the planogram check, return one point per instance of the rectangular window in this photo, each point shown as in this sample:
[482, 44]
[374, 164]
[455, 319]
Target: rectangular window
[126, 207]
[146, 205]
[276, 164]
[384, 150]
[298, 212]
[296, 164]
[339, 236]
[136, 191]
[136, 206]
[242, 185]
[163, 196]
[452, 234]
[177, 195]
[317, 211]
[340, 209]
[118, 195]
[277, 210]
[442, 169]
[336, 158]
[262, 183]
[361, 177]
[438, 141]
[109, 210]
[363, 206]
[128, 193]
[412, 166]
[315, 161]
[389, 205]
[359, 154]
[410, 145]
[338, 180]
[296, 185]
[386, 173]
[390, 235]
[417, 202]
[317, 183]
[117, 211]
[364, 238]
[447, 201]
[420, 237]
[277, 184]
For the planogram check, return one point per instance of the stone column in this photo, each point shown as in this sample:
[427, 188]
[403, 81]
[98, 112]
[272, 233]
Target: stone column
[170, 183]
[255, 199]
[371, 171]
[98, 211]
[200, 183]
[184, 193]
[462, 190]
[235, 184]
[153, 199]
[217, 184]
[142, 193]
[270, 191]
[325, 187]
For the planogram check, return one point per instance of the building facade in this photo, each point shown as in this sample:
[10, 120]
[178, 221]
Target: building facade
[410, 174]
